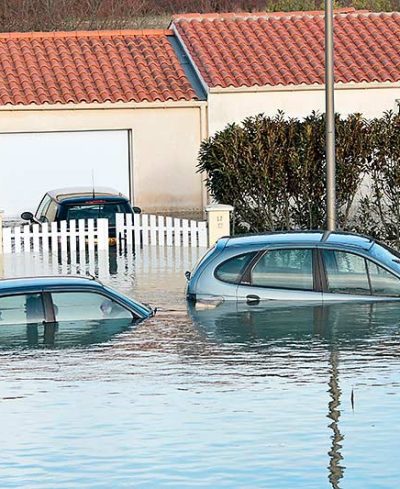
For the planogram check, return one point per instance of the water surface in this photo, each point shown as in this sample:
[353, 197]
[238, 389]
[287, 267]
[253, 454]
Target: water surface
[232, 397]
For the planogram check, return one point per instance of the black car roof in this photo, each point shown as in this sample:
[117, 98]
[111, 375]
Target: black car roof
[61, 194]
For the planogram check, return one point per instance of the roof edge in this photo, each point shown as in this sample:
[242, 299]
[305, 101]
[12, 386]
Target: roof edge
[257, 15]
[156, 104]
[303, 87]
[95, 33]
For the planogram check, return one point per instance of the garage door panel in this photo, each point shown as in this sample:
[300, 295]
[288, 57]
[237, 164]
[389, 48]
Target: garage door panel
[37, 162]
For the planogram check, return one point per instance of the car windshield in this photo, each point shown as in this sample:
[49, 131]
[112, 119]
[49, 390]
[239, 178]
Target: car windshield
[97, 210]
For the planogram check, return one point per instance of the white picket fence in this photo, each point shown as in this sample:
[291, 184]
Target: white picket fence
[151, 230]
[71, 236]
[93, 235]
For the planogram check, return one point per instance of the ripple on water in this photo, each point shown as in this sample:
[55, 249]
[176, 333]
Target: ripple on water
[231, 397]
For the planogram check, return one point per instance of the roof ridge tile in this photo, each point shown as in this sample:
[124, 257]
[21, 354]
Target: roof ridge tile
[255, 15]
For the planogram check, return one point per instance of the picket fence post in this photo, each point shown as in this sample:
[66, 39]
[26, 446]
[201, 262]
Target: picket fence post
[102, 234]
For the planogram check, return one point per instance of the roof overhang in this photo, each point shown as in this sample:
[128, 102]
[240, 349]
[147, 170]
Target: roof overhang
[303, 87]
[107, 105]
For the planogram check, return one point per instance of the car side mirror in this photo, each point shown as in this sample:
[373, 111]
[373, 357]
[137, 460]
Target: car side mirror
[27, 216]
[136, 210]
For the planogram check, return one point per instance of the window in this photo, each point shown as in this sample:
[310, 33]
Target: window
[232, 270]
[284, 269]
[76, 306]
[97, 210]
[21, 309]
[383, 282]
[346, 273]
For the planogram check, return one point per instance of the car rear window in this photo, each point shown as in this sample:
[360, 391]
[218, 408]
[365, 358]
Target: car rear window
[231, 271]
[97, 210]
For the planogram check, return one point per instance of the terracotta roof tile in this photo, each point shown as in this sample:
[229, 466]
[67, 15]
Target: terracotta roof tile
[261, 49]
[99, 66]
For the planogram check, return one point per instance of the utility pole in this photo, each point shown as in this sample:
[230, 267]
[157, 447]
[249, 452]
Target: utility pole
[330, 119]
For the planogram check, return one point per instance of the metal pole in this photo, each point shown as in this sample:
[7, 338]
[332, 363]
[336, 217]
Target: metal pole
[330, 120]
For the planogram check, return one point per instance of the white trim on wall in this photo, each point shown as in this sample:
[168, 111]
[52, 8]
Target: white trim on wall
[105, 105]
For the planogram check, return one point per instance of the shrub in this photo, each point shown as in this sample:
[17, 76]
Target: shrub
[379, 213]
[272, 169]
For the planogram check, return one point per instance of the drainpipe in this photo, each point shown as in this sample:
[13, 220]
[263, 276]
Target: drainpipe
[203, 135]
[1, 245]
[1, 232]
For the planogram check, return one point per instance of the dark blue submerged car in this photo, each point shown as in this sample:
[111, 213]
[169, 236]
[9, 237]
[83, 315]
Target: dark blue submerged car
[76, 203]
[45, 300]
[297, 266]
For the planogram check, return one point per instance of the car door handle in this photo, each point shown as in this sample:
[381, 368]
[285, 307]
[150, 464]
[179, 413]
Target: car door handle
[252, 299]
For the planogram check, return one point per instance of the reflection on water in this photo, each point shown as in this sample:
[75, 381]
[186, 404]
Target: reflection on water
[61, 335]
[338, 324]
[336, 470]
[235, 396]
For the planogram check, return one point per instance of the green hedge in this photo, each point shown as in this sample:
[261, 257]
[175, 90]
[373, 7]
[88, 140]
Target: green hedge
[272, 170]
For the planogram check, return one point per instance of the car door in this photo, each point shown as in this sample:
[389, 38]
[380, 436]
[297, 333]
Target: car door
[22, 309]
[285, 274]
[73, 306]
[349, 276]
[22, 320]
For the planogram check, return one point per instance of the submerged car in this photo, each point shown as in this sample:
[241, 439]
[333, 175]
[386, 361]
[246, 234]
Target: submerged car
[72, 299]
[66, 204]
[296, 266]
[348, 324]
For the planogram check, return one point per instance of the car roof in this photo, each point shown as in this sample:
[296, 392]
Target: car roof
[66, 193]
[13, 284]
[303, 238]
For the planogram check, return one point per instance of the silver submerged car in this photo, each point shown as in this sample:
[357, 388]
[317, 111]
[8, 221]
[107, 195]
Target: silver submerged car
[43, 300]
[63, 312]
[296, 266]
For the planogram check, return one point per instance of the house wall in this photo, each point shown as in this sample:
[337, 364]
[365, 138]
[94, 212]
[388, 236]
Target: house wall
[165, 142]
[233, 106]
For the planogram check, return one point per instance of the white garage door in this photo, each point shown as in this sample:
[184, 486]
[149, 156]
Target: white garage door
[34, 163]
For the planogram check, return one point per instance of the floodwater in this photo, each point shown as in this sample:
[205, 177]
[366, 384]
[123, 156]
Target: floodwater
[231, 397]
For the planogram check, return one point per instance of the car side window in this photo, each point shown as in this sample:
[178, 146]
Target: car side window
[231, 271]
[21, 309]
[284, 269]
[42, 209]
[346, 273]
[383, 283]
[76, 306]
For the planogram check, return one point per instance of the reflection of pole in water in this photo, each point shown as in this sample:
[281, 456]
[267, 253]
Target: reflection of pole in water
[336, 470]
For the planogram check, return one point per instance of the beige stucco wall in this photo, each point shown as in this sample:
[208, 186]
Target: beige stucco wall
[165, 143]
[233, 106]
